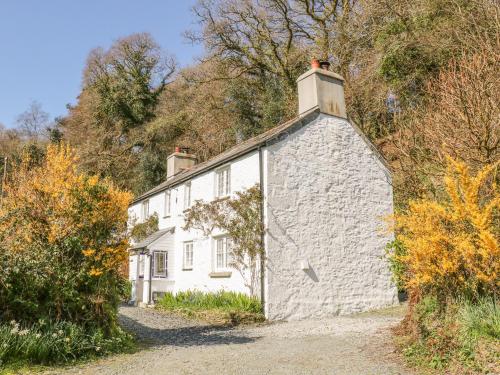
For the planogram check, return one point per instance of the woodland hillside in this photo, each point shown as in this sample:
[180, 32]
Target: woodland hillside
[420, 82]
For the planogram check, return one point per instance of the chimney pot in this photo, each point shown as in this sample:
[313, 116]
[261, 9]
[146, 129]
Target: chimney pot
[324, 65]
[315, 64]
[177, 149]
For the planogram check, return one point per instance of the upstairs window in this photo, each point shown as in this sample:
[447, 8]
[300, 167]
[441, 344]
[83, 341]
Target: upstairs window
[222, 182]
[188, 256]
[159, 264]
[168, 204]
[187, 195]
[222, 253]
[145, 210]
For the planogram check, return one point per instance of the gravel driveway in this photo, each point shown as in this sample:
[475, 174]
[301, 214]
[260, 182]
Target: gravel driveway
[358, 344]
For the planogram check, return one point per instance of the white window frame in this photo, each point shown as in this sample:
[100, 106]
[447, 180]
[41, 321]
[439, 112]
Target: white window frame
[167, 203]
[187, 255]
[145, 210]
[223, 186]
[163, 274]
[187, 195]
[222, 253]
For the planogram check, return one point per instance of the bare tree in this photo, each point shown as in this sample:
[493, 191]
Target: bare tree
[33, 122]
[460, 118]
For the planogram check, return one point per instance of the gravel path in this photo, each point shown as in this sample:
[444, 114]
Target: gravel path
[351, 345]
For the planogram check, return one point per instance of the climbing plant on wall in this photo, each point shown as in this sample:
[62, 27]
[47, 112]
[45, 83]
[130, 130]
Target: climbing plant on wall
[240, 218]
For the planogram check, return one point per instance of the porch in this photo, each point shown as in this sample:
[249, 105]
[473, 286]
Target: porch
[151, 267]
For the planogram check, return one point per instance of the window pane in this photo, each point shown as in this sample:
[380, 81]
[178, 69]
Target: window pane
[160, 264]
[188, 255]
[220, 253]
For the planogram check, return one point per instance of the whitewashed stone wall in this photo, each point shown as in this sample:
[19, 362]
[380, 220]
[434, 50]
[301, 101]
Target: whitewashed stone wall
[326, 192]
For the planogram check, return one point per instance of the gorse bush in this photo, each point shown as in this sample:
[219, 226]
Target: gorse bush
[447, 256]
[48, 343]
[452, 247]
[63, 245]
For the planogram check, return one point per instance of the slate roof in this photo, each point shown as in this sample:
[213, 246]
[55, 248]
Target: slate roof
[233, 153]
[151, 238]
[275, 134]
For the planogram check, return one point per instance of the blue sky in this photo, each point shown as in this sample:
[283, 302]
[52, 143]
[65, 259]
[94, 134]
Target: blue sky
[44, 44]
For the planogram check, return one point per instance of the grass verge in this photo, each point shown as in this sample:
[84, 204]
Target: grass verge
[462, 338]
[222, 308]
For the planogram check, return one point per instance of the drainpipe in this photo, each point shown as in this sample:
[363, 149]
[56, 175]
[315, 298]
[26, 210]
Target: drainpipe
[150, 278]
[262, 260]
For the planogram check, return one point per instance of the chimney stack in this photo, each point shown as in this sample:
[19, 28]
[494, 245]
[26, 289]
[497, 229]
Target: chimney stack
[179, 161]
[321, 88]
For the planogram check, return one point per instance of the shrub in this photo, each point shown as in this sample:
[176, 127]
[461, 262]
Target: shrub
[63, 244]
[452, 247]
[395, 251]
[221, 306]
[49, 343]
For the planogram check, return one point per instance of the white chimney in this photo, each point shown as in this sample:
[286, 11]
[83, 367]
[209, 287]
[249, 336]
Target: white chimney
[179, 161]
[321, 88]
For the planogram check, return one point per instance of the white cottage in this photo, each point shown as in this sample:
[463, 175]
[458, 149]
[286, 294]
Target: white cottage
[325, 190]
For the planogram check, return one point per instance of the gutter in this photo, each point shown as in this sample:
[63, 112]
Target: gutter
[262, 257]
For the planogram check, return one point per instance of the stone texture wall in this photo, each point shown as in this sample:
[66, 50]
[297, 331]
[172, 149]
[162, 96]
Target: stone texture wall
[326, 191]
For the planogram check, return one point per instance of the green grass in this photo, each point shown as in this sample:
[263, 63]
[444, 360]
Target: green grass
[463, 337]
[480, 319]
[47, 343]
[220, 307]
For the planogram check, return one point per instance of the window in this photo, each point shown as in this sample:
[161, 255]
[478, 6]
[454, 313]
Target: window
[141, 265]
[187, 195]
[222, 182]
[159, 264]
[168, 203]
[145, 210]
[188, 256]
[222, 253]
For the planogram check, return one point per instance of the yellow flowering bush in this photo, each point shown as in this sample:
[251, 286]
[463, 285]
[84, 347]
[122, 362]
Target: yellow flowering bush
[63, 242]
[452, 247]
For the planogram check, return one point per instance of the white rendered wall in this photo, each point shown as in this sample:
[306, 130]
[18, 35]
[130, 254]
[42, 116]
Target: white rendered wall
[244, 174]
[326, 193]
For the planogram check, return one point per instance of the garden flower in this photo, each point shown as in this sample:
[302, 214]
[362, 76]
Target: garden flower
[24, 332]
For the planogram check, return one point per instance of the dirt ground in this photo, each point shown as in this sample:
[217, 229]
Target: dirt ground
[350, 345]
